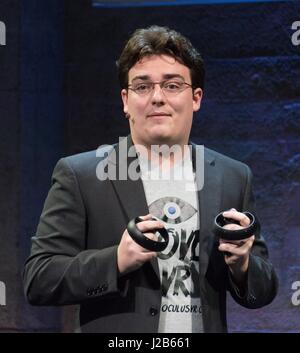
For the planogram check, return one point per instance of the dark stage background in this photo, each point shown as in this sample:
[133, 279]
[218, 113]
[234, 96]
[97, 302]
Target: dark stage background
[59, 95]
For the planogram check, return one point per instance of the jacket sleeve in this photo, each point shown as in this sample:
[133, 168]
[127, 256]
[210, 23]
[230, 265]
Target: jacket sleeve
[262, 283]
[60, 270]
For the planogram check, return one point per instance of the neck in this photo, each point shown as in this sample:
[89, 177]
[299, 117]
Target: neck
[163, 153]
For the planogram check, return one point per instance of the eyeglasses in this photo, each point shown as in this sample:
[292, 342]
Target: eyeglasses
[169, 87]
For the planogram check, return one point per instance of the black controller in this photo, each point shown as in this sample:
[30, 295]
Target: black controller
[145, 242]
[238, 234]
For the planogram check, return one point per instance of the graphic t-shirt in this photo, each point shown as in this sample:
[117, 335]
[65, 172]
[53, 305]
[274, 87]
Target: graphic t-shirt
[173, 201]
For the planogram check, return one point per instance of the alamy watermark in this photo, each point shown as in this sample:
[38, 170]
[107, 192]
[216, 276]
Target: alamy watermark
[160, 163]
[296, 294]
[2, 293]
[296, 35]
[2, 33]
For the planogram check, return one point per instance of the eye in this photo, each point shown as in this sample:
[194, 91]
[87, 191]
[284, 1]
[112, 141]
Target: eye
[172, 85]
[142, 87]
[172, 210]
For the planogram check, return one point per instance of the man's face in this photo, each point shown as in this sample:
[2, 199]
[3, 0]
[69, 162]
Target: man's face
[159, 117]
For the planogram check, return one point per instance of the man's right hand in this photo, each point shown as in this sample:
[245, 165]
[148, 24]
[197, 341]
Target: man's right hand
[131, 256]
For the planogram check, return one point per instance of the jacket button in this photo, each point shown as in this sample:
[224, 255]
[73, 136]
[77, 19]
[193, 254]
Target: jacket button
[153, 311]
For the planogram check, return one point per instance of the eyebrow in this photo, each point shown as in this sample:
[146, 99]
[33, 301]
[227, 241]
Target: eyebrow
[165, 77]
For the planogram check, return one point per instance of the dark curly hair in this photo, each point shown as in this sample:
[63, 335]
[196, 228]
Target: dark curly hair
[156, 40]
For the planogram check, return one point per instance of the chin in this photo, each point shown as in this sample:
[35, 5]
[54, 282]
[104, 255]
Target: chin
[160, 139]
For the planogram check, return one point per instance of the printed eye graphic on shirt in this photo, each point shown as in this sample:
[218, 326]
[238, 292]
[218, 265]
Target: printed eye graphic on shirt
[172, 210]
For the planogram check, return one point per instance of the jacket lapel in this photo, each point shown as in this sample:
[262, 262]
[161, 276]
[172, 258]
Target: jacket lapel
[209, 205]
[130, 192]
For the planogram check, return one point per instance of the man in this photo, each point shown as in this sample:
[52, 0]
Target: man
[82, 252]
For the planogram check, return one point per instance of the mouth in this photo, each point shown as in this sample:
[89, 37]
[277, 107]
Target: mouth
[158, 115]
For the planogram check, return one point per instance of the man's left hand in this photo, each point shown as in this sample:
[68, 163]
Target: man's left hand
[236, 252]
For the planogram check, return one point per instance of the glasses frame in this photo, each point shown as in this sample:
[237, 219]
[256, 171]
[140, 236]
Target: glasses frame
[161, 85]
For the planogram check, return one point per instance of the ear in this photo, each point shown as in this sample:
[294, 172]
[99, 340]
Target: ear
[197, 98]
[124, 95]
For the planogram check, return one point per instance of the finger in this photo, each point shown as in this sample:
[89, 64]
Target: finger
[238, 216]
[250, 240]
[143, 250]
[232, 226]
[148, 255]
[149, 225]
[236, 242]
[231, 253]
[240, 242]
[151, 236]
[146, 217]
[227, 254]
[234, 249]
[137, 248]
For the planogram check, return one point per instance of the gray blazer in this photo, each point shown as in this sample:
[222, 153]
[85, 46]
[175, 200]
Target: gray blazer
[73, 257]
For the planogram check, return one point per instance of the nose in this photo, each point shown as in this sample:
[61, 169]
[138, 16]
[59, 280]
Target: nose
[158, 97]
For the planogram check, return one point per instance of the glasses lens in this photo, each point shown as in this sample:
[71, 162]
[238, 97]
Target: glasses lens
[142, 88]
[173, 86]
[169, 87]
